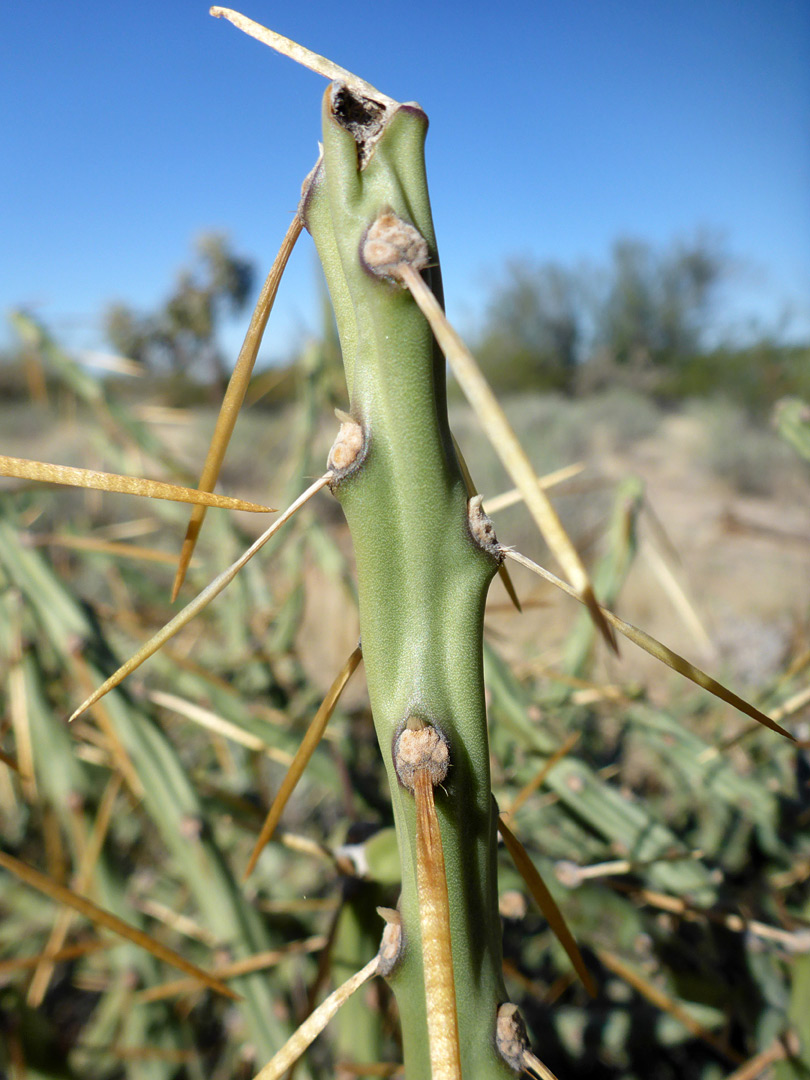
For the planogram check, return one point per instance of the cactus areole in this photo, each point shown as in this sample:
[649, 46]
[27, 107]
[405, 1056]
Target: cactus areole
[422, 573]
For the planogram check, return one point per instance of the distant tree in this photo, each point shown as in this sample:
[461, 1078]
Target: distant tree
[130, 335]
[533, 328]
[182, 334]
[645, 313]
[657, 304]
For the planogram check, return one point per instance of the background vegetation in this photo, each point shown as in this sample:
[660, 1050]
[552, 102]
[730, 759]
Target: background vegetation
[674, 838]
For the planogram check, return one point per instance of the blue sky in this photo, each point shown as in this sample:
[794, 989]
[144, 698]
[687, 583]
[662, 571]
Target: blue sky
[556, 127]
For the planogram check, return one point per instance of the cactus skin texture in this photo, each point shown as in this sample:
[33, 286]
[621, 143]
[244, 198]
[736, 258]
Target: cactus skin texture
[422, 577]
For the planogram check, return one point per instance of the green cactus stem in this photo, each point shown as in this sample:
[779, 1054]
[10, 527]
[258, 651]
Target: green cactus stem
[422, 575]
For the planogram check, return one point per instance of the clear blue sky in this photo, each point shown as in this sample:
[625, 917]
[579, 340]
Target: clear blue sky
[555, 128]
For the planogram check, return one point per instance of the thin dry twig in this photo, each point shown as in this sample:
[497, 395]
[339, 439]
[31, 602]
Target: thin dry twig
[572, 876]
[20, 722]
[661, 652]
[258, 962]
[98, 544]
[149, 1053]
[547, 904]
[546, 481]
[235, 395]
[105, 722]
[199, 602]
[43, 471]
[304, 753]
[176, 920]
[311, 1028]
[792, 941]
[658, 997]
[784, 1046]
[677, 594]
[529, 789]
[102, 917]
[219, 724]
[90, 855]
[788, 708]
[69, 952]
[18, 707]
[300, 54]
[7, 759]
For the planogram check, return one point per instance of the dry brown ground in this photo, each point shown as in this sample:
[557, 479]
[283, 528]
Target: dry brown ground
[743, 564]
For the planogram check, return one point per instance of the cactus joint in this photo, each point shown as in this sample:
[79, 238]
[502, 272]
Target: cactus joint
[510, 1035]
[389, 243]
[391, 943]
[482, 529]
[348, 449]
[420, 746]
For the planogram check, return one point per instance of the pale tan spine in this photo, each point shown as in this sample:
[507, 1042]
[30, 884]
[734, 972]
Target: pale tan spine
[434, 918]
